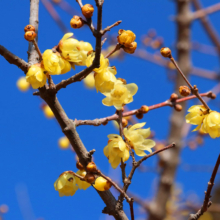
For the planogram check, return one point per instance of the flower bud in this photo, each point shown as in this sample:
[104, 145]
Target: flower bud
[139, 115]
[22, 84]
[126, 37]
[48, 112]
[90, 178]
[76, 22]
[165, 52]
[173, 97]
[79, 166]
[144, 109]
[211, 95]
[29, 27]
[105, 123]
[178, 107]
[91, 167]
[184, 90]
[124, 122]
[101, 184]
[30, 35]
[88, 10]
[131, 48]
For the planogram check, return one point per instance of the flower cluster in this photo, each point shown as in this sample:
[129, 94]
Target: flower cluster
[70, 52]
[207, 121]
[117, 150]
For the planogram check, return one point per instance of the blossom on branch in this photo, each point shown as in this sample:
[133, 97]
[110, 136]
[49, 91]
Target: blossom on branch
[101, 184]
[35, 76]
[120, 95]
[66, 184]
[136, 137]
[116, 150]
[82, 184]
[85, 47]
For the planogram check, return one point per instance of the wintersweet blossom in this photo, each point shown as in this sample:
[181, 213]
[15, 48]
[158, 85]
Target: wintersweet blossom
[104, 81]
[136, 137]
[211, 124]
[85, 47]
[82, 184]
[196, 116]
[66, 184]
[120, 95]
[101, 184]
[89, 81]
[116, 150]
[104, 62]
[54, 63]
[36, 77]
[22, 84]
[69, 48]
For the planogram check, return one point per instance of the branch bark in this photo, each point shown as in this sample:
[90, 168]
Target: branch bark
[158, 206]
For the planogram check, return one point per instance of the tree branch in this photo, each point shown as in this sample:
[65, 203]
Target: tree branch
[13, 59]
[207, 203]
[104, 121]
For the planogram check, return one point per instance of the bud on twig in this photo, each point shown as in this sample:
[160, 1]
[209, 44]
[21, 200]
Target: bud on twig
[87, 10]
[30, 35]
[165, 52]
[178, 107]
[76, 22]
[131, 48]
[139, 115]
[144, 109]
[79, 166]
[29, 27]
[90, 178]
[173, 97]
[184, 90]
[91, 167]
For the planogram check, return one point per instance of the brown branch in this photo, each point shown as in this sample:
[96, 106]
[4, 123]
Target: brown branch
[205, 11]
[207, 202]
[77, 175]
[157, 208]
[110, 27]
[208, 26]
[13, 59]
[117, 47]
[103, 121]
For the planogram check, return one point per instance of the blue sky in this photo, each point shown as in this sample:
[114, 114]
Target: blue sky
[30, 159]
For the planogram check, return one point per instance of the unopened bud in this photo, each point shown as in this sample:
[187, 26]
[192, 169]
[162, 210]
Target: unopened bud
[178, 107]
[90, 178]
[88, 10]
[184, 90]
[30, 35]
[91, 167]
[76, 22]
[124, 122]
[211, 95]
[131, 48]
[165, 52]
[126, 37]
[79, 166]
[105, 123]
[139, 115]
[144, 109]
[29, 27]
[173, 97]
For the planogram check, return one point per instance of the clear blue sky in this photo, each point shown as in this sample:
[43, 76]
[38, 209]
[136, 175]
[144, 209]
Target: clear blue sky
[30, 159]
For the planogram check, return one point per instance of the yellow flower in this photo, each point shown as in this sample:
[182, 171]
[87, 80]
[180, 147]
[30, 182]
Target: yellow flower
[36, 77]
[136, 138]
[116, 150]
[63, 142]
[53, 62]
[70, 49]
[126, 37]
[104, 81]
[82, 184]
[22, 84]
[85, 47]
[121, 94]
[196, 116]
[89, 81]
[104, 62]
[48, 112]
[101, 184]
[66, 184]
[211, 124]
[67, 66]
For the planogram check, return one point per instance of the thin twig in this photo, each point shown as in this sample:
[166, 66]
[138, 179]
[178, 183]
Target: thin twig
[111, 26]
[103, 121]
[194, 89]
[77, 175]
[37, 49]
[117, 47]
[207, 202]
